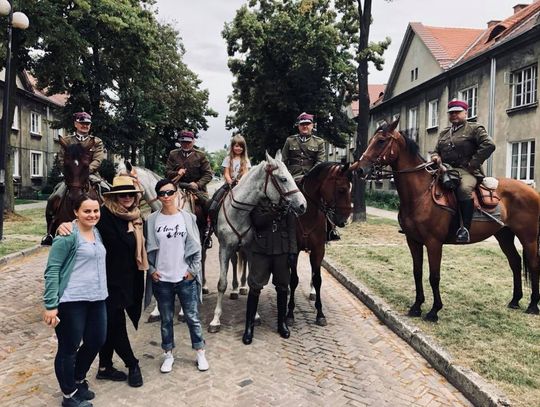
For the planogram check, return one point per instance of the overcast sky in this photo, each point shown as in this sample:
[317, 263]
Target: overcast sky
[200, 23]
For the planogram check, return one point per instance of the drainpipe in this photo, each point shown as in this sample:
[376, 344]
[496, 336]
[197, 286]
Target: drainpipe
[491, 111]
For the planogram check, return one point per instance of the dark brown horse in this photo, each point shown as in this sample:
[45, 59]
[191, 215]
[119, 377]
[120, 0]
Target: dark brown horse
[427, 224]
[327, 190]
[76, 177]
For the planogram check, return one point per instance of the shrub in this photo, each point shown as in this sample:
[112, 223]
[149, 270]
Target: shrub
[382, 200]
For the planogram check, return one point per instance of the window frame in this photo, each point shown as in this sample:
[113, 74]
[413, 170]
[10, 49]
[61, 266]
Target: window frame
[16, 125]
[533, 91]
[472, 101]
[514, 171]
[412, 130]
[40, 172]
[16, 163]
[433, 114]
[34, 131]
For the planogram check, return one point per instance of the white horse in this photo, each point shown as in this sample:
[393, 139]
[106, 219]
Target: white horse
[269, 179]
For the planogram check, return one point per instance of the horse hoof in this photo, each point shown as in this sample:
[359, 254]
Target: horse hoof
[312, 297]
[233, 296]
[153, 318]
[258, 321]
[532, 311]
[513, 305]
[321, 321]
[290, 321]
[431, 318]
[414, 313]
[214, 329]
[243, 291]
[181, 318]
[205, 290]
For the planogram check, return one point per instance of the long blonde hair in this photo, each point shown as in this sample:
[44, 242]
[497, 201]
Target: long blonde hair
[238, 139]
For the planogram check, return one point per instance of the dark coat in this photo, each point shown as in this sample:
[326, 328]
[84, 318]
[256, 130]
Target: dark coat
[468, 147]
[125, 282]
[275, 230]
[197, 167]
[301, 157]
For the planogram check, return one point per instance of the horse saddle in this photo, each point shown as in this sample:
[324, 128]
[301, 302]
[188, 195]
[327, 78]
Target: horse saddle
[485, 196]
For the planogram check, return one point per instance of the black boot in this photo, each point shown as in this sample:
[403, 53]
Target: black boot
[251, 310]
[466, 209]
[47, 240]
[282, 327]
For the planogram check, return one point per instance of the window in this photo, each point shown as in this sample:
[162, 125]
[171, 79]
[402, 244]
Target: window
[469, 95]
[15, 124]
[36, 164]
[414, 74]
[524, 84]
[16, 172]
[35, 123]
[412, 123]
[522, 161]
[433, 114]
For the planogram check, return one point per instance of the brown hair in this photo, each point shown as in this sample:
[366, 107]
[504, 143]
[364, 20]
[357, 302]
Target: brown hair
[240, 140]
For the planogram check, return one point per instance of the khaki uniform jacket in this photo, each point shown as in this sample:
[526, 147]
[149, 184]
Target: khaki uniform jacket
[467, 148]
[197, 167]
[275, 231]
[98, 151]
[301, 157]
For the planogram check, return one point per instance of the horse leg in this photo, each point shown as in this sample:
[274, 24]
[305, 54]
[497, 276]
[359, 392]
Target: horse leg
[234, 263]
[154, 315]
[530, 251]
[293, 263]
[316, 260]
[434, 258]
[181, 316]
[224, 257]
[312, 292]
[505, 237]
[242, 265]
[417, 253]
[205, 289]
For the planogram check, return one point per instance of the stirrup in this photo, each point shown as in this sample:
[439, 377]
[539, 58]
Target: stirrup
[462, 235]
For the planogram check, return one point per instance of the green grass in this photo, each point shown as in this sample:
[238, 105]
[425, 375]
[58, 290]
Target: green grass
[22, 231]
[475, 326]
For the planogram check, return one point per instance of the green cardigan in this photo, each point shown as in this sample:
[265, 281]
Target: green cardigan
[59, 267]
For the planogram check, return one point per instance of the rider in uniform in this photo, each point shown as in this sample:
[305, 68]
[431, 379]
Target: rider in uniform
[465, 146]
[301, 152]
[189, 165]
[274, 240]
[93, 144]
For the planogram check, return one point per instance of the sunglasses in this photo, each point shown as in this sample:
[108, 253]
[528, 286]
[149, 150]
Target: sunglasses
[169, 192]
[127, 195]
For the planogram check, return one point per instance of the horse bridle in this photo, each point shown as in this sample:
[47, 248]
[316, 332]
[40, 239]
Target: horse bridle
[269, 169]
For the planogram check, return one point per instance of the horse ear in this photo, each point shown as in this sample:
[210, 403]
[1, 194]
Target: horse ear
[278, 155]
[345, 167]
[393, 125]
[62, 141]
[269, 159]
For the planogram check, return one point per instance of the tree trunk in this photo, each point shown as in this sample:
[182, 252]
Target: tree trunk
[359, 185]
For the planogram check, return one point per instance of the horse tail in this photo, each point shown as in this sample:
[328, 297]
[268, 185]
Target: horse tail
[526, 270]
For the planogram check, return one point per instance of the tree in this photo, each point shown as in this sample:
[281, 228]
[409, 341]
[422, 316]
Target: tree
[356, 23]
[288, 57]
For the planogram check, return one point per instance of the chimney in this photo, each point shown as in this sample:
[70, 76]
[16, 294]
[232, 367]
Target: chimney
[519, 7]
[491, 23]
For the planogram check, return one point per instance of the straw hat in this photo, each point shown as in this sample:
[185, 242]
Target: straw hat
[122, 184]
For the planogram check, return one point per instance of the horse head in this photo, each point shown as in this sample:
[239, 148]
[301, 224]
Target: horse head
[383, 149]
[328, 185]
[284, 188]
[76, 167]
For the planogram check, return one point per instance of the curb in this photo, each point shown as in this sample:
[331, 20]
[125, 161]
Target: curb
[473, 386]
[23, 253]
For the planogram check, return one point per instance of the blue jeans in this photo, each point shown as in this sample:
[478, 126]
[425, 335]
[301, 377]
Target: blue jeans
[188, 294]
[86, 320]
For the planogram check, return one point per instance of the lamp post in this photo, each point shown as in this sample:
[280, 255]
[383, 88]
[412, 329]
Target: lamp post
[20, 21]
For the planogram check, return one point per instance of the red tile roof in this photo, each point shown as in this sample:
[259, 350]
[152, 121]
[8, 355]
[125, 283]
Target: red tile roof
[445, 43]
[57, 99]
[375, 97]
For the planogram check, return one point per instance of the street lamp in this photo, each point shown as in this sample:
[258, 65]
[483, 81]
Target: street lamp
[20, 21]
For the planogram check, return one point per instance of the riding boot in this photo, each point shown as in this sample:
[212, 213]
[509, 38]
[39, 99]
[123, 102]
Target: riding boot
[208, 238]
[251, 311]
[466, 209]
[282, 327]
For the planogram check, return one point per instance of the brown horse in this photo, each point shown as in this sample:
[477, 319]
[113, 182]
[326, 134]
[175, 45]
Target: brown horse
[327, 190]
[76, 172]
[427, 224]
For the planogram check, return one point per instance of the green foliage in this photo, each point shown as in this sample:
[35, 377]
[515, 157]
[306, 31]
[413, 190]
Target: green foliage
[288, 57]
[382, 200]
[217, 159]
[55, 176]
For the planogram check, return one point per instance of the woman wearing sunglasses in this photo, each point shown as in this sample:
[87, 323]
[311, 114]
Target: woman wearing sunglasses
[174, 257]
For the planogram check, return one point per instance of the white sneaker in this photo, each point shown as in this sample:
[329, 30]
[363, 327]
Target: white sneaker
[202, 363]
[168, 360]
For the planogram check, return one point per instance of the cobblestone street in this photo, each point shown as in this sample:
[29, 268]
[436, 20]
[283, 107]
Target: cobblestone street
[354, 360]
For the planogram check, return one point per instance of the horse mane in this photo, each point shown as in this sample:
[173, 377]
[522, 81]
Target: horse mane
[75, 151]
[318, 169]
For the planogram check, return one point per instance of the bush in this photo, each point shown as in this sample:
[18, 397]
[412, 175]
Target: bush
[382, 200]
